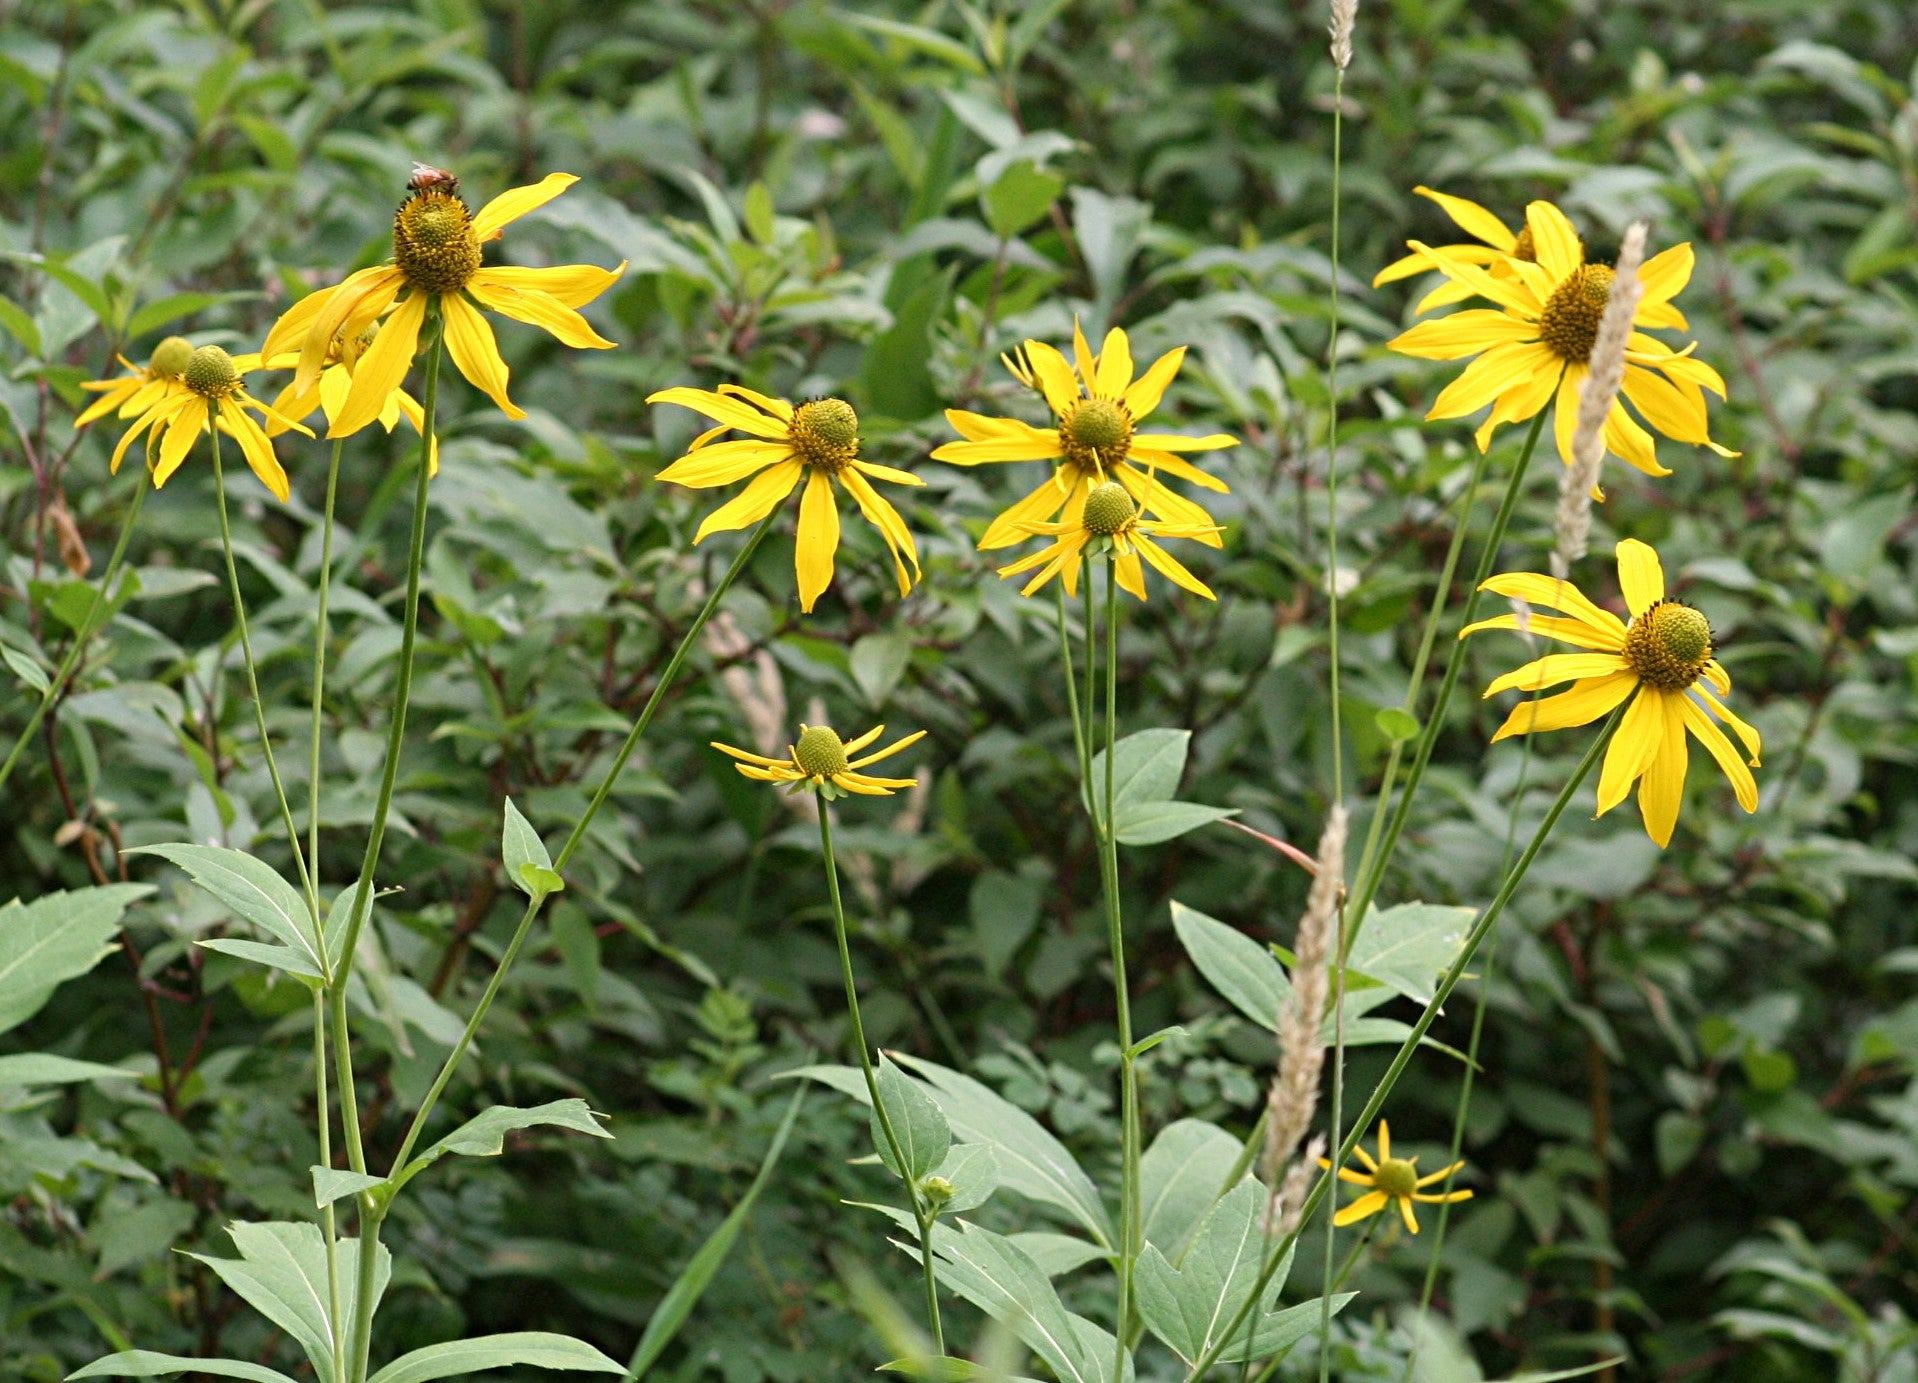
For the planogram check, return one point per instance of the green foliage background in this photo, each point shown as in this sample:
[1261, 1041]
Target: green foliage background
[873, 201]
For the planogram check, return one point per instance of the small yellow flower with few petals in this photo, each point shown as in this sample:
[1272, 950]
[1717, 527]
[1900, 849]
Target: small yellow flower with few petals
[1098, 405]
[437, 260]
[1109, 520]
[821, 762]
[1500, 243]
[211, 393]
[132, 394]
[329, 394]
[1662, 659]
[1538, 348]
[1391, 1180]
[816, 441]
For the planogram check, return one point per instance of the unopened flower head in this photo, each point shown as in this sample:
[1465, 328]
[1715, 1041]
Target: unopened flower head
[817, 442]
[1662, 662]
[1392, 1181]
[823, 763]
[1097, 405]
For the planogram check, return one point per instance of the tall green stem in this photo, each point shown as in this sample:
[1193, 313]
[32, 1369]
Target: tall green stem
[1367, 886]
[82, 636]
[329, 1224]
[1449, 981]
[1122, 991]
[920, 1210]
[372, 1212]
[633, 737]
[1072, 687]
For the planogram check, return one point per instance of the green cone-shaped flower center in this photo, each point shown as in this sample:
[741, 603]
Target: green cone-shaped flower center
[820, 751]
[434, 243]
[1669, 645]
[1396, 1177]
[1109, 509]
[1097, 424]
[209, 372]
[170, 357]
[824, 433]
[1569, 323]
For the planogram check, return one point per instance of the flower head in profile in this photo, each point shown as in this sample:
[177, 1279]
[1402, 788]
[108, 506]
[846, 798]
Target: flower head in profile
[1495, 244]
[1534, 349]
[328, 394]
[817, 442]
[821, 762]
[1662, 660]
[132, 393]
[437, 261]
[1391, 1181]
[1108, 520]
[1097, 405]
[210, 392]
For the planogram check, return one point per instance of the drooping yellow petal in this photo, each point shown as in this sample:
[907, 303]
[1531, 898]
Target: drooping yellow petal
[882, 516]
[1679, 415]
[509, 206]
[1720, 680]
[151, 419]
[257, 449]
[1554, 241]
[1407, 1214]
[754, 502]
[1634, 743]
[1624, 437]
[818, 539]
[1154, 498]
[1554, 668]
[538, 309]
[1580, 706]
[1170, 567]
[475, 352]
[383, 368]
[719, 407]
[181, 429]
[1129, 572]
[747, 756]
[1744, 786]
[118, 391]
[1641, 579]
[1151, 459]
[890, 474]
[1565, 416]
[1505, 292]
[1038, 506]
[1663, 788]
[1547, 626]
[1745, 733]
[572, 284]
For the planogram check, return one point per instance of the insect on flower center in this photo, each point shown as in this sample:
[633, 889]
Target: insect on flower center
[170, 357]
[1569, 323]
[1668, 645]
[820, 751]
[1396, 1176]
[1096, 433]
[824, 433]
[434, 243]
[209, 372]
[1109, 509]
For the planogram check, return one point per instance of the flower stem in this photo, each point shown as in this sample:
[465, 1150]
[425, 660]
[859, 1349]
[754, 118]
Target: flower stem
[319, 676]
[1368, 885]
[920, 1210]
[329, 1225]
[633, 737]
[1122, 996]
[1072, 686]
[1449, 981]
[371, 1211]
[83, 635]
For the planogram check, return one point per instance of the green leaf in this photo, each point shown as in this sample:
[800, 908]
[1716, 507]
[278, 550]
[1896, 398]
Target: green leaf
[162, 311]
[921, 1130]
[44, 1068]
[1180, 1177]
[1237, 966]
[274, 957]
[484, 1135]
[53, 939]
[972, 1171]
[1146, 767]
[944, 47]
[1397, 725]
[282, 1273]
[330, 1184]
[759, 213]
[527, 864]
[535, 1347]
[30, 673]
[20, 326]
[951, 1371]
[1409, 946]
[252, 889]
[1020, 197]
[1150, 823]
[700, 1269]
[144, 1363]
[878, 661]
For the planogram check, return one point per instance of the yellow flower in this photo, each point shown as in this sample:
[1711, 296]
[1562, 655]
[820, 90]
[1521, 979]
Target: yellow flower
[821, 762]
[131, 394]
[1098, 404]
[1539, 347]
[821, 437]
[436, 259]
[329, 393]
[211, 392]
[1108, 516]
[1391, 1179]
[1500, 243]
[1662, 659]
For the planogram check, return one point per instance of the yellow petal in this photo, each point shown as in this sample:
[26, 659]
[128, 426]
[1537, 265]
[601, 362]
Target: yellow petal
[1473, 219]
[1744, 732]
[889, 474]
[1624, 437]
[754, 502]
[1170, 567]
[383, 368]
[1129, 572]
[475, 352]
[1580, 706]
[1499, 369]
[1177, 441]
[747, 756]
[723, 409]
[1035, 444]
[1564, 630]
[1634, 744]
[882, 516]
[1554, 594]
[981, 427]
[1505, 293]
[1056, 380]
[1146, 391]
[1115, 366]
[1744, 786]
[1664, 274]
[152, 418]
[1720, 680]
[886, 753]
[1565, 419]
[1554, 668]
[538, 309]
[1154, 498]
[1554, 242]
[1674, 412]
[723, 464]
[1459, 334]
[181, 430]
[1385, 1140]
[1439, 1175]
[1083, 360]
[818, 540]
[1150, 459]
[1038, 506]
[368, 289]
[779, 408]
[1663, 790]
[572, 284]
[1641, 579]
[510, 206]
[1406, 1213]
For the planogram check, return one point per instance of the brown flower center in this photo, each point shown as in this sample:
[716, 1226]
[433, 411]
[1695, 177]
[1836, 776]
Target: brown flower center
[434, 243]
[1668, 645]
[1569, 323]
[820, 751]
[1523, 246]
